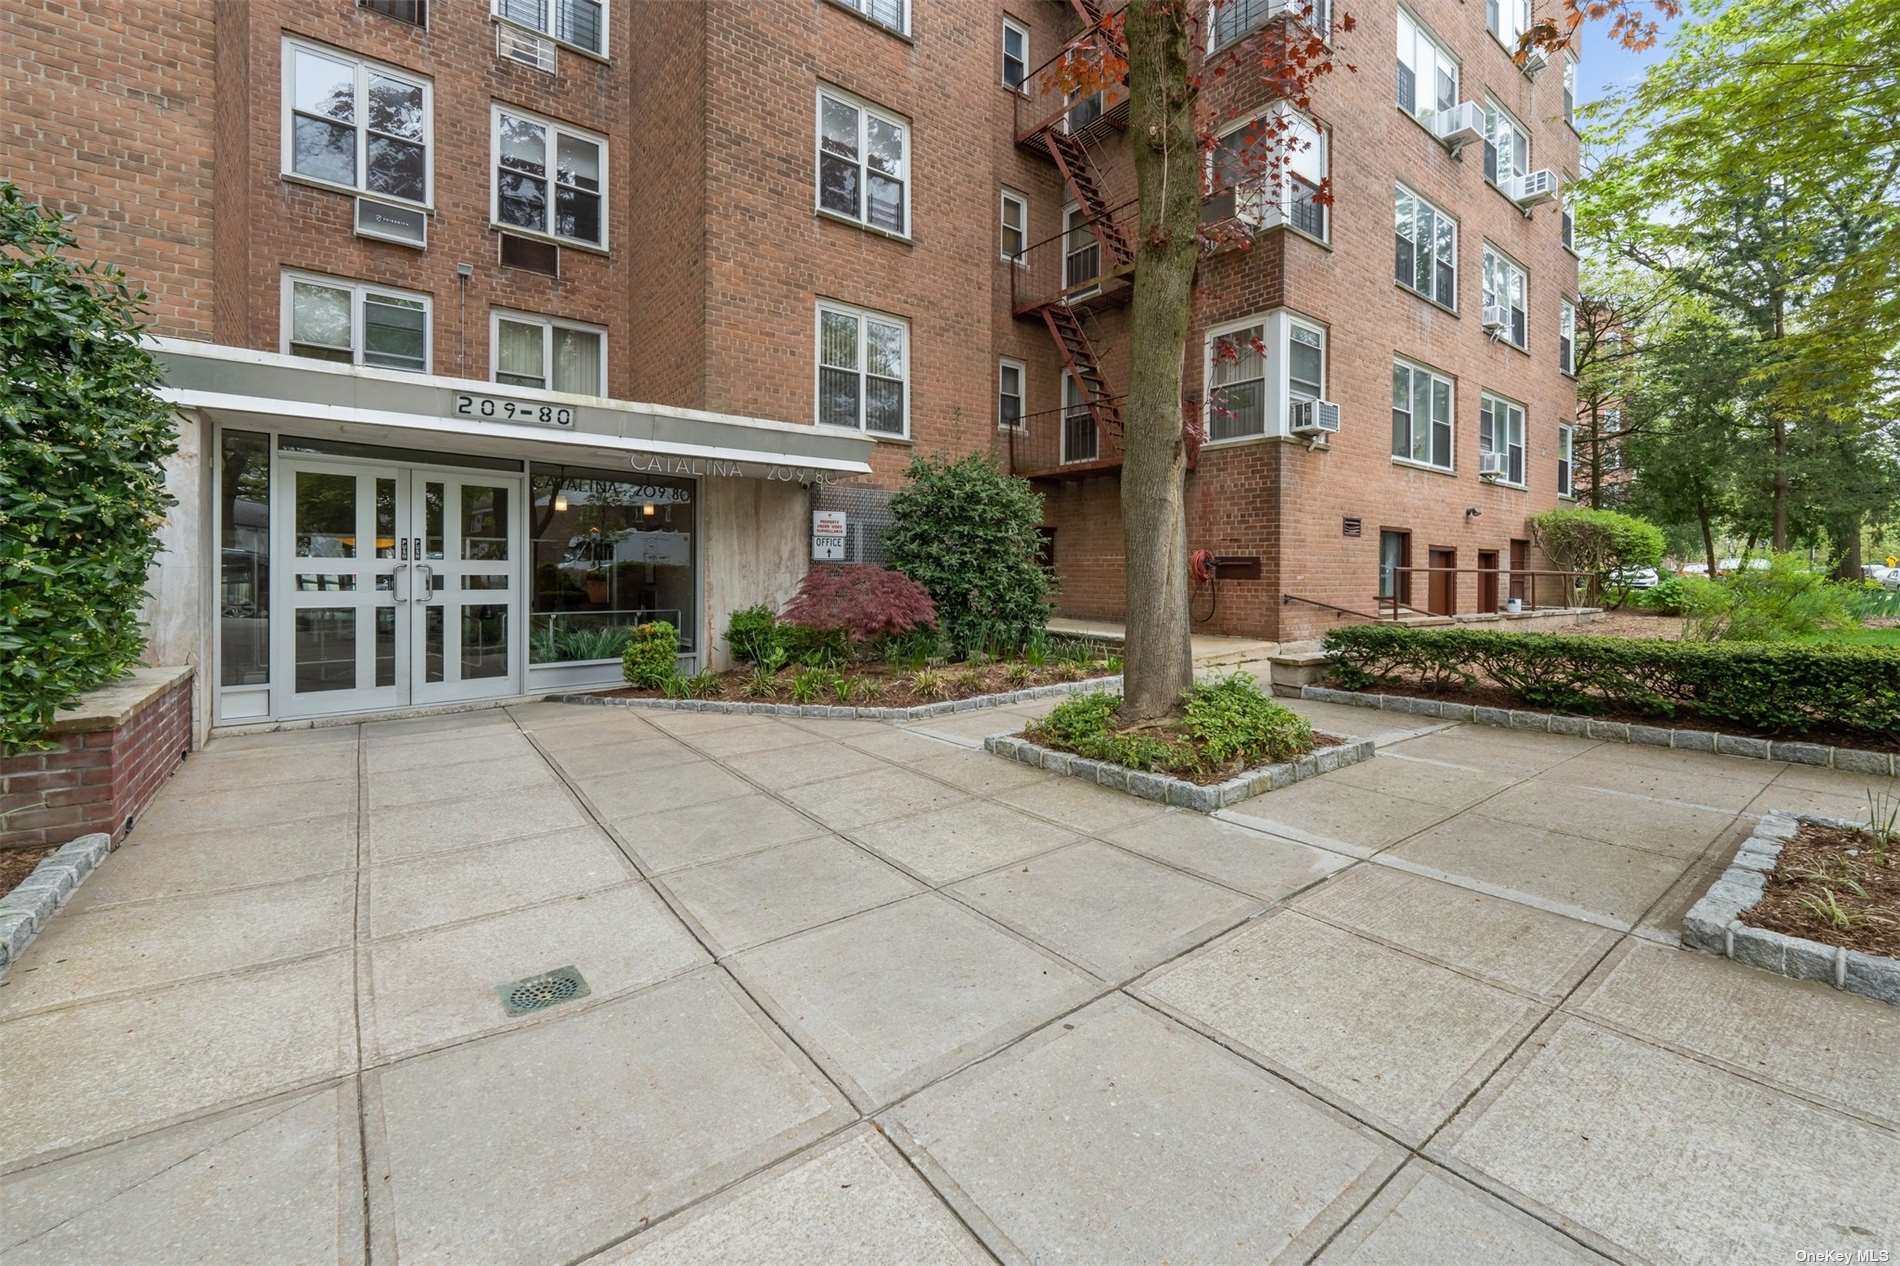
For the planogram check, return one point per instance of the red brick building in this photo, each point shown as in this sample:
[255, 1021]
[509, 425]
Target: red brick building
[495, 326]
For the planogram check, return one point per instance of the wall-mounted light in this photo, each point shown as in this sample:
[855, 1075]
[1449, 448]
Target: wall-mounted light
[1472, 512]
[647, 510]
[560, 501]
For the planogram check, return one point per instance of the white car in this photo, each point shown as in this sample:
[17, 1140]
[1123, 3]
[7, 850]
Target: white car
[1635, 578]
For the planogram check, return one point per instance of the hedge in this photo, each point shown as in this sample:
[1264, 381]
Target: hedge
[1771, 687]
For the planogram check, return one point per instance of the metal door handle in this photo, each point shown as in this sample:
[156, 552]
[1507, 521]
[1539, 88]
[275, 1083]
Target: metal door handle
[428, 582]
[395, 591]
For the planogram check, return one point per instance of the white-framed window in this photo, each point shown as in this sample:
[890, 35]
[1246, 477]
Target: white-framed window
[892, 14]
[1567, 336]
[1505, 288]
[1507, 145]
[863, 162]
[1305, 361]
[1234, 20]
[1570, 90]
[1508, 20]
[1566, 460]
[549, 179]
[1015, 54]
[1567, 220]
[1081, 438]
[1244, 160]
[525, 350]
[1015, 228]
[863, 370]
[356, 124]
[1428, 73]
[1501, 433]
[354, 322]
[1422, 413]
[1425, 248]
[1010, 384]
[1237, 380]
[581, 24]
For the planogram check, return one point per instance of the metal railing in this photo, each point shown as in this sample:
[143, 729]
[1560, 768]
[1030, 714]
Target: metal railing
[1054, 442]
[1074, 266]
[1505, 586]
[1085, 82]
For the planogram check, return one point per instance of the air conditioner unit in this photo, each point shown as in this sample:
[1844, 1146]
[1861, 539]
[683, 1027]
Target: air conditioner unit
[1459, 126]
[1496, 318]
[1533, 187]
[516, 45]
[1534, 61]
[390, 222]
[1315, 417]
[1492, 465]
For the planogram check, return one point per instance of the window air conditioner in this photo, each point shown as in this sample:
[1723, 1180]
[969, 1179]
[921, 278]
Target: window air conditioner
[1534, 187]
[1459, 126]
[1534, 61]
[1315, 417]
[1491, 465]
[1496, 319]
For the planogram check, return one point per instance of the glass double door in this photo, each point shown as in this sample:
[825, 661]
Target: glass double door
[395, 586]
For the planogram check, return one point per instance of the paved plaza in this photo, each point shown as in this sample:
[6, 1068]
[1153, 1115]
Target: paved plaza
[862, 993]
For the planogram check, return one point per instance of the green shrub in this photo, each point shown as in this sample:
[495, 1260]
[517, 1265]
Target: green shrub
[815, 648]
[1787, 687]
[752, 635]
[1596, 541]
[968, 533]
[1233, 719]
[809, 683]
[651, 659]
[1080, 716]
[83, 439]
[1777, 603]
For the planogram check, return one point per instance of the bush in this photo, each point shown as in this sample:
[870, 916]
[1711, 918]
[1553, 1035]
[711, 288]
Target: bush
[1787, 688]
[1233, 718]
[1777, 603]
[651, 659]
[83, 439]
[814, 648]
[859, 601]
[1596, 541]
[969, 534]
[752, 634]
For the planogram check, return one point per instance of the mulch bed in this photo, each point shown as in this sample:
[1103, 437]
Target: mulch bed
[17, 863]
[1632, 624]
[1177, 733]
[886, 686]
[1825, 867]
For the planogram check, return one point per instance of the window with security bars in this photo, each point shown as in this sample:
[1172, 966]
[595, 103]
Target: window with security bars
[1081, 441]
[863, 370]
[1234, 20]
[581, 23]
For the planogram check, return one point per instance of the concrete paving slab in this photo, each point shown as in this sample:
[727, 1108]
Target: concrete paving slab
[284, 740]
[1840, 1049]
[744, 901]
[889, 999]
[102, 1071]
[152, 865]
[703, 833]
[1791, 799]
[439, 986]
[1080, 806]
[434, 751]
[1118, 1137]
[687, 724]
[120, 949]
[981, 773]
[212, 770]
[905, 747]
[1338, 817]
[413, 830]
[872, 796]
[1347, 722]
[250, 807]
[1394, 1040]
[441, 888]
[1503, 942]
[1569, 875]
[1665, 1159]
[1429, 1217]
[601, 727]
[1838, 782]
[1108, 911]
[463, 723]
[620, 755]
[632, 794]
[544, 714]
[1227, 853]
[1662, 922]
[1429, 781]
[1715, 782]
[767, 736]
[391, 785]
[278, 1182]
[971, 727]
[1523, 752]
[852, 1201]
[655, 1100]
[1613, 817]
[778, 768]
[959, 840]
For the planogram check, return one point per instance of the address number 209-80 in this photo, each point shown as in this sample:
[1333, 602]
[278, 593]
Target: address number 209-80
[472, 406]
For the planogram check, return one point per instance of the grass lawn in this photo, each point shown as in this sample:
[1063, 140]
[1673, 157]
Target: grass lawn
[1862, 637]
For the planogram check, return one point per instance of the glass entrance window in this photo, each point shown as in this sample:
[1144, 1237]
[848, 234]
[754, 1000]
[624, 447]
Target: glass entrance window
[609, 550]
[244, 559]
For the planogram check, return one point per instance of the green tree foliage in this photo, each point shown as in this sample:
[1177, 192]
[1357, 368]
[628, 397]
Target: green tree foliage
[1784, 601]
[967, 533]
[1596, 541]
[83, 439]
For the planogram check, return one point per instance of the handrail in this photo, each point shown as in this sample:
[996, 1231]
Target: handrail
[1287, 598]
[1033, 88]
[1406, 571]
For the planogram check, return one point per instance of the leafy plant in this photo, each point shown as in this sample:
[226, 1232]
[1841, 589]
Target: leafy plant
[1883, 824]
[848, 689]
[809, 683]
[814, 648]
[970, 535]
[698, 686]
[931, 683]
[1826, 906]
[752, 634]
[760, 683]
[1018, 675]
[913, 650]
[83, 439]
[1233, 719]
[1078, 717]
[1598, 542]
[1776, 603]
[652, 655]
[860, 601]
[1036, 651]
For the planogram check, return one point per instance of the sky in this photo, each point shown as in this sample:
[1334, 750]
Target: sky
[1606, 66]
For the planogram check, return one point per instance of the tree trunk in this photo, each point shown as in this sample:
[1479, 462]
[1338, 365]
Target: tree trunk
[1708, 532]
[1158, 661]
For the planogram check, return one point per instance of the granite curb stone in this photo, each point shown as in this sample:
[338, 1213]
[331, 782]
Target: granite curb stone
[35, 899]
[917, 712]
[1179, 792]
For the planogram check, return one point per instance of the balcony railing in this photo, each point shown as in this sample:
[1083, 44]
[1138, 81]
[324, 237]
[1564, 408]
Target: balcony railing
[1059, 443]
[1075, 266]
[1085, 85]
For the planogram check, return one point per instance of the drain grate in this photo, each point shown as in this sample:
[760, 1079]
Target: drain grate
[534, 993]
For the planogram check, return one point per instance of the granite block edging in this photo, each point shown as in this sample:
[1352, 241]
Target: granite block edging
[1714, 924]
[1179, 792]
[918, 712]
[35, 899]
[1853, 759]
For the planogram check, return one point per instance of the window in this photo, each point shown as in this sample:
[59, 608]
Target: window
[1015, 228]
[1428, 74]
[863, 370]
[608, 550]
[1508, 20]
[863, 163]
[538, 351]
[1237, 382]
[1395, 560]
[529, 153]
[1568, 220]
[356, 124]
[1425, 242]
[892, 14]
[244, 558]
[1566, 336]
[1501, 434]
[1015, 55]
[1570, 90]
[1507, 146]
[1246, 157]
[1235, 20]
[1305, 361]
[581, 23]
[1421, 416]
[414, 12]
[1504, 288]
[1009, 393]
[352, 323]
[1566, 440]
[1081, 441]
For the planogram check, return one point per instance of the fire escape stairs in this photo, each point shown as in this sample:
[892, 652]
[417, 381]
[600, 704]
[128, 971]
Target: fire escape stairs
[1078, 173]
[1078, 357]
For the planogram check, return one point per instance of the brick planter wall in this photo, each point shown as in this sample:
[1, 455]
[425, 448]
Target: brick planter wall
[110, 755]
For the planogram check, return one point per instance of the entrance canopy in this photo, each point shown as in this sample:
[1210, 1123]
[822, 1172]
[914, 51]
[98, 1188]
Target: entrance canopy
[380, 406]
